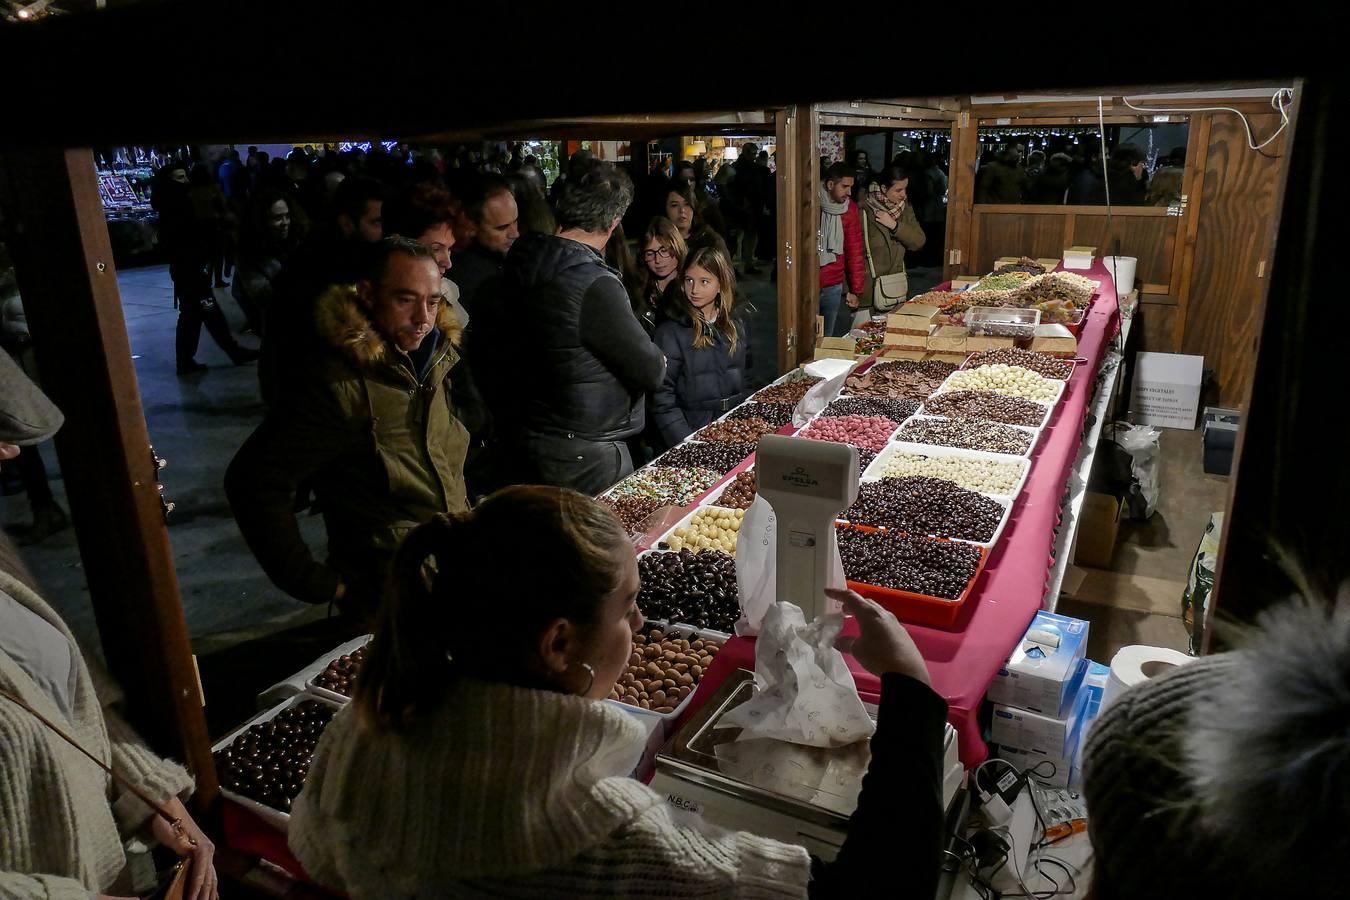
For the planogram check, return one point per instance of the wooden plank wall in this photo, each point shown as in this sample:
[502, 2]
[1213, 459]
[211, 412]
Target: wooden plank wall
[1200, 273]
[1231, 250]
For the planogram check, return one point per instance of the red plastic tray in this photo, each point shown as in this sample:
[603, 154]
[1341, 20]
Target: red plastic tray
[919, 609]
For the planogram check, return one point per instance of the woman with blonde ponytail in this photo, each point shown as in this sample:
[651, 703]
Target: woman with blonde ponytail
[707, 348]
[479, 757]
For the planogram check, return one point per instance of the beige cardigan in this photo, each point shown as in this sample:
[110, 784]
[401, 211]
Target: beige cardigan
[62, 820]
[508, 792]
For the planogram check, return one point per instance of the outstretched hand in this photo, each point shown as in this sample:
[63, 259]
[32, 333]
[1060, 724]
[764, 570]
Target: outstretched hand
[883, 645]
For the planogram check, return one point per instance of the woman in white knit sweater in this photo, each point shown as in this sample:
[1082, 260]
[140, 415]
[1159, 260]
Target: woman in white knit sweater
[63, 821]
[479, 759]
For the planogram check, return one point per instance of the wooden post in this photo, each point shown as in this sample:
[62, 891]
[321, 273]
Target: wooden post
[961, 194]
[63, 260]
[789, 254]
[808, 230]
[1285, 524]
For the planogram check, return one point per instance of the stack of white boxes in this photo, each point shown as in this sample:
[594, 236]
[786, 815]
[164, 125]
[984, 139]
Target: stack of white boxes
[1041, 699]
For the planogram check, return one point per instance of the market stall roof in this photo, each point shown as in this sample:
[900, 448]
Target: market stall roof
[183, 71]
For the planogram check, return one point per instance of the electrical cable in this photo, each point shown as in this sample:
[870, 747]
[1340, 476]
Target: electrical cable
[1278, 100]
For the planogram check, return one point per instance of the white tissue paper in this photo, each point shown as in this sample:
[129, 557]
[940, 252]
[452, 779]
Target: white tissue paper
[757, 566]
[805, 693]
[817, 398]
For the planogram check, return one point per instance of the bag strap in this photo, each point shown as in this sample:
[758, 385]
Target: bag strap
[867, 246]
[174, 822]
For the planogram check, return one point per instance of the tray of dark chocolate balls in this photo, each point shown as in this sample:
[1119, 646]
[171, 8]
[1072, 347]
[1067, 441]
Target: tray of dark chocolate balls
[337, 680]
[923, 580]
[262, 765]
[684, 587]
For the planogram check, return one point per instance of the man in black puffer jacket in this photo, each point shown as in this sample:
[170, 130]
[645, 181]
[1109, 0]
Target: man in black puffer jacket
[585, 363]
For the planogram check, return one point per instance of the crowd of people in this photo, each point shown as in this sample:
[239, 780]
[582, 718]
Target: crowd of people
[1009, 174]
[433, 328]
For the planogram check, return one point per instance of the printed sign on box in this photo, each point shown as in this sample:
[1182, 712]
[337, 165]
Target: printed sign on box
[1167, 389]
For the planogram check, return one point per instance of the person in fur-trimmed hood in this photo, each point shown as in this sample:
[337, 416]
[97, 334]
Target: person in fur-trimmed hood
[372, 425]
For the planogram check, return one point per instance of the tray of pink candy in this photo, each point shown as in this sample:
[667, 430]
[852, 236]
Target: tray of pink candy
[865, 432]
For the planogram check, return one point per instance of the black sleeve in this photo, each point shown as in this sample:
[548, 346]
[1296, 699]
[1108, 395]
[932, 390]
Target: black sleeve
[610, 330]
[895, 835]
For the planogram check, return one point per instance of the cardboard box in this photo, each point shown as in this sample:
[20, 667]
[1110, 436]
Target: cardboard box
[1047, 262]
[837, 343]
[902, 353]
[1065, 763]
[952, 356]
[1098, 526]
[989, 342]
[1045, 669]
[911, 319]
[1033, 732]
[907, 341]
[965, 281]
[1094, 682]
[948, 339]
[1055, 340]
[1166, 389]
[827, 353]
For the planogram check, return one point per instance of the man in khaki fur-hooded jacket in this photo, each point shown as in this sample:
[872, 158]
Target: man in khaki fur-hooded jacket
[371, 425]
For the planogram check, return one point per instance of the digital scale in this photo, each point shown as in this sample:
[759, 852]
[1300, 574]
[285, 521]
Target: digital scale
[790, 792]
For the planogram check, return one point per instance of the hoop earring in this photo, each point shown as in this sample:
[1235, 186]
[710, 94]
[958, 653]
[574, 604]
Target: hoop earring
[590, 683]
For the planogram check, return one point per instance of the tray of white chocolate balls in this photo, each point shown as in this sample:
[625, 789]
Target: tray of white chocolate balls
[705, 528]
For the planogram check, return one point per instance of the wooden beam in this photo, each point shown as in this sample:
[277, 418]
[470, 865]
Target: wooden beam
[880, 109]
[63, 260]
[787, 155]
[961, 196]
[1028, 209]
[1197, 152]
[808, 230]
[874, 123]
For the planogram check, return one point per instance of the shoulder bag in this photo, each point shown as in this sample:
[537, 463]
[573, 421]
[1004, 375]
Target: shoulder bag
[175, 885]
[888, 291]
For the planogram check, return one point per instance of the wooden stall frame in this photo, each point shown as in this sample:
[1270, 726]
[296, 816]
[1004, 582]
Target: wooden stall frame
[104, 447]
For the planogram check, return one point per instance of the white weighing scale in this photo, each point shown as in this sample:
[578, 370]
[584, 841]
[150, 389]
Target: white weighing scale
[796, 794]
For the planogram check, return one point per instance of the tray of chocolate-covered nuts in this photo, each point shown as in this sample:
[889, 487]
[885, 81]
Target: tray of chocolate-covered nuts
[918, 505]
[920, 579]
[987, 406]
[967, 434]
[664, 670]
[263, 763]
[336, 681]
[995, 474]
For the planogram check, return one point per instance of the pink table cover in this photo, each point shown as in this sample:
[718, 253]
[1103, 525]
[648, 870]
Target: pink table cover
[962, 659]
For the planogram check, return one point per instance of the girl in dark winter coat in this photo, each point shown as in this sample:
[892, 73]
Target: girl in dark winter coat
[707, 348]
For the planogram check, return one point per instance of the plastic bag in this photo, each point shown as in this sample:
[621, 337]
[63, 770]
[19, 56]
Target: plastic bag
[1141, 443]
[757, 565]
[818, 398]
[1200, 584]
[806, 694]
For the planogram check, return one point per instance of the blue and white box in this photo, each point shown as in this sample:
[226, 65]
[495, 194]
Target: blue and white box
[1045, 669]
[1033, 732]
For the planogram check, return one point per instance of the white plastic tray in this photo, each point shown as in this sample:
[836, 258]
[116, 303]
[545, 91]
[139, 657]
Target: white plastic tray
[1054, 401]
[685, 522]
[686, 632]
[716, 493]
[874, 471]
[919, 448]
[718, 635]
[1073, 367]
[274, 817]
[1005, 502]
[1045, 416]
[322, 664]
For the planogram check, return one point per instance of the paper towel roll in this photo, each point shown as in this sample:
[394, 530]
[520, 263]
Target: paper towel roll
[1137, 664]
